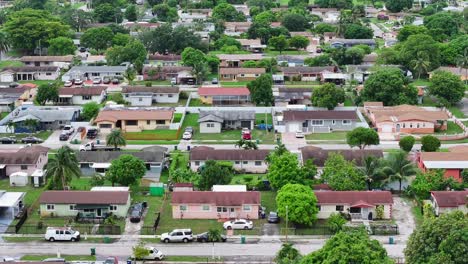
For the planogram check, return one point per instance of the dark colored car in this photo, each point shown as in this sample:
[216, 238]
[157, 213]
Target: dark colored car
[64, 137]
[204, 237]
[82, 49]
[106, 80]
[273, 217]
[115, 81]
[136, 212]
[92, 133]
[32, 140]
[7, 140]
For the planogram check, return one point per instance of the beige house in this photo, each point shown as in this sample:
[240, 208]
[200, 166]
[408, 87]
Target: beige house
[129, 120]
[447, 201]
[462, 73]
[240, 74]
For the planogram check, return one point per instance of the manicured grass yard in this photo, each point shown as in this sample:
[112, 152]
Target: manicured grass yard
[452, 128]
[260, 119]
[3, 115]
[156, 134]
[240, 178]
[348, 101]
[154, 206]
[285, 52]
[262, 135]
[66, 257]
[42, 135]
[192, 259]
[32, 194]
[196, 102]
[7, 63]
[234, 84]
[421, 82]
[327, 136]
[456, 112]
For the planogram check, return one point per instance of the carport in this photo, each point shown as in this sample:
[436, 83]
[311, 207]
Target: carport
[11, 203]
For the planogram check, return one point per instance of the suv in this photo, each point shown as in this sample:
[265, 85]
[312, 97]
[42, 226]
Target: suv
[61, 234]
[69, 130]
[177, 235]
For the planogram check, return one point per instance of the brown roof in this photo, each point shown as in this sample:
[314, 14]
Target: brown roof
[406, 113]
[354, 197]
[300, 115]
[294, 90]
[90, 90]
[373, 104]
[238, 57]
[68, 58]
[213, 91]
[84, 197]
[450, 198]
[167, 69]
[319, 156]
[183, 184]
[115, 115]
[241, 70]
[444, 156]
[460, 148]
[152, 89]
[32, 69]
[306, 70]
[168, 57]
[370, 57]
[455, 70]
[216, 198]
[26, 155]
[228, 154]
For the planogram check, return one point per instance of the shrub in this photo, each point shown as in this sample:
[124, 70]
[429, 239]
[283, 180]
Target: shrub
[379, 211]
[428, 211]
[407, 143]
[148, 84]
[335, 222]
[248, 178]
[430, 143]
[183, 95]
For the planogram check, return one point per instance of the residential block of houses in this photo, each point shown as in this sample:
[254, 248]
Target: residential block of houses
[236, 60]
[252, 45]
[215, 121]
[305, 73]
[133, 120]
[181, 74]
[90, 72]
[147, 96]
[319, 156]
[59, 61]
[10, 98]
[224, 96]
[447, 201]
[240, 74]
[319, 121]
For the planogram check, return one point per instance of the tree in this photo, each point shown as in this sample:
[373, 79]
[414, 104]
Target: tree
[447, 87]
[354, 55]
[116, 139]
[184, 175]
[409, 30]
[121, 39]
[287, 254]
[432, 180]
[328, 95]
[295, 22]
[396, 6]
[99, 38]
[340, 249]
[455, 51]
[4, 43]
[420, 43]
[133, 52]
[90, 110]
[321, 60]
[444, 23]
[246, 144]
[361, 137]
[31, 124]
[77, 18]
[284, 169]
[342, 175]
[407, 143]
[421, 63]
[227, 12]
[388, 56]
[61, 46]
[47, 93]
[388, 85]
[340, 4]
[28, 29]
[371, 169]
[106, 13]
[279, 43]
[261, 92]
[126, 170]
[61, 168]
[321, 28]
[165, 13]
[299, 202]
[430, 143]
[197, 60]
[335, 222]
[131, 13]
[399, 167]
[215, 172]
[356, 31]
[299, 42]
[439, 240]
[227, 41]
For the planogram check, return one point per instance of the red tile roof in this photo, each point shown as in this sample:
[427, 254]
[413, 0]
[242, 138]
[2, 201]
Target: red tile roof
[450, 198]
[210, 91]
[354, 197]
[216, 198]
[84, 197]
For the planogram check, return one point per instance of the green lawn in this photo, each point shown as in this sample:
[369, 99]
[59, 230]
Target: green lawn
[216, 52]
[32, 194]
[152, 142]
[262, 135]
[285, 52]
[348, 102]
[7, 63]
[234, 84]
[198, 259]
[177, 117]
[194, 102]
[452, 128]
[37, 82]
[190, 120]
[240, 178]
[66, 257]
[421, 82]
[269, 200]
[42, 135]
[327, 136]
[154, 206]
[456, 112]
[260, 119]
[465, 123]
[3, 115]
[428, 101]
[156, 134]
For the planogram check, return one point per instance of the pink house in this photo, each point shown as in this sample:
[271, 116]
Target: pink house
[28, 160]
[215, 205]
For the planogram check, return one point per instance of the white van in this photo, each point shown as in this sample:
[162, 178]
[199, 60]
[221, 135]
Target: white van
[61, 234]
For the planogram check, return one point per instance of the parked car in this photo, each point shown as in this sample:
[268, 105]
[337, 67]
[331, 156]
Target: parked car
[31, 139]
[68, 129]
[64, 137]
[153, 254]
[136, 212]
[13, 85]
[204, 237]
[189, 129]
[97, 80]
[82, 49]
[273, 217]
[190, 82]
[111, 260]
[115, 81]
[78, 82]
[54, 260]
[238, 224]
[187, 136]
[7, 140]
[61, 234]
[214, 81]
[173, 81]
[68, 84]
[246, 135]
[106, 80]
[178, 235]
[299, 134]
[92, 133]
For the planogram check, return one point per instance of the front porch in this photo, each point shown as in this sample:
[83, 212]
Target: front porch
[361, 211]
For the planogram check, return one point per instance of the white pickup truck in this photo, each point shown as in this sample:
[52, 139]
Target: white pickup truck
[91, 146]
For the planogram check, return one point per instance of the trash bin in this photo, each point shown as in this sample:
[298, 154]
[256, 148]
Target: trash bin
[107, 240]
[258, 141]
[391, 241]
[93, 251]
[188, 148]
[278, 141]
[97, 141]
[175, 147]
[129, 261]
[242, 239]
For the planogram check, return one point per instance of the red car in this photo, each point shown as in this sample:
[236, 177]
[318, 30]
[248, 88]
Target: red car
[246, 135]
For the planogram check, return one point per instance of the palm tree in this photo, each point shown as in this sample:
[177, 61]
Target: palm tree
[399, 167]
[4, 43]
[214, 235]
[246, 144]
[31, 124]
[421, 63]
[116, 139]
[372, 171]
[11, 126]
[63, 167]
[462, 63]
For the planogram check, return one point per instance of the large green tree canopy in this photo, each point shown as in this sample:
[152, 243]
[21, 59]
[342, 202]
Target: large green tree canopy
[342, 175]
[300, 203]
[419, 44]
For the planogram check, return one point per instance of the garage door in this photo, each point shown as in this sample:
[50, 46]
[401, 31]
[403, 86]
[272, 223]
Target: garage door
[387, 128]
[294, 127]
[246, 124]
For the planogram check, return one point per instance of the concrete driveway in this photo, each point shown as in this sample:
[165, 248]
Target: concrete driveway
[404, 218]
[291, 142]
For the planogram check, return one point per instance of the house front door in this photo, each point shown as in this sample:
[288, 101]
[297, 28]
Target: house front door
[99, 212]
[232, 212]
[364, 213]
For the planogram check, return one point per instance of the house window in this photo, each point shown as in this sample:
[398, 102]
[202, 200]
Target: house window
[131, 122]
[210, 125]
[316, 122]
[50, 207]
[88, 210]
[105, 125]
[404, 125]
[72, 207]
[86, 97]
[205, 207]
[237, 162]
[148, 122]
[170, 95]
[112, 207]
[246, 208]
[245, 162]
[339, 208]
[417, 125]
[183, 208]
[346, 122]
[258, 163]
[333, 122]
[411, 125]
[242, 75]
[197, 163]
[256, 75]
[140, 99]
[24, 167]
[160, 122]
[48, 73]
[319, 208]
[221, 209]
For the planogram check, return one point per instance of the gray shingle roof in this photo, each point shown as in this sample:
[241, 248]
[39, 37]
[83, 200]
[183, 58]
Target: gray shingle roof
[226, 115]
[109, 156]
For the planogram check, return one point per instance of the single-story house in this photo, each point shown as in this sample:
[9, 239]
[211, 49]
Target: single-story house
[447, 201]
[252, 45]
[92, 162]
[48, 117]
[10, 98]
[191, 17]
[29, 73]
[291, 61]
[319, 156]
[236, 60]
[348, 43]
[240, 74]
[407, 119]
[361, 205]
[165, 60]
[133, 120]
[248, 160]
[215, 205]
[293, 96]
[305, 73]
[11, 204]
[236, 27]
[147, 96]
[181, 74]
[59, 61]
[461, 72]
[90, 72]
[319, 121]
[370, 59]
[95, 204]
[215, 121]
[333, 77]
[452, 162]
[82, 95]
[224, 96]
[30, 161]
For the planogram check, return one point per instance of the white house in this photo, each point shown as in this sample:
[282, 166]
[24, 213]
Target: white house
[447, 201]
[147, 96]
[90, 72]
[82, 95]
[29, 73]
[59, 61]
